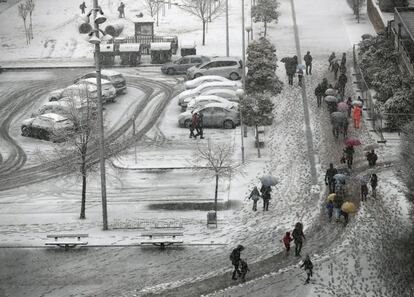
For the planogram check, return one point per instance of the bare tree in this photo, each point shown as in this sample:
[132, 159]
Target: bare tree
[153, 7]
[23, 14]
[216, 161]
[356, 6]
[30, 6]
[203, 10]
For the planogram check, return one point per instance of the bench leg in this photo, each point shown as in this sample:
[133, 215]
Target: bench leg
[162, 246]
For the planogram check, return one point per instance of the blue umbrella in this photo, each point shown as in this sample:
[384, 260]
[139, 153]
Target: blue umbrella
[340, 177]
[301, 66]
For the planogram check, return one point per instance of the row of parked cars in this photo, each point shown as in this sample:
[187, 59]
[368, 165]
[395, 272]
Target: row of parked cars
[52, 120]
[213, 96]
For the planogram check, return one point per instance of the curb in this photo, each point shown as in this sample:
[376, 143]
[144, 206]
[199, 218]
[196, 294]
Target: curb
[37, 67]
[105, 246]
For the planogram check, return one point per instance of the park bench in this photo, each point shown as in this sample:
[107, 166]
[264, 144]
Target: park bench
[259, 138]
[162, 238]
[67, 243]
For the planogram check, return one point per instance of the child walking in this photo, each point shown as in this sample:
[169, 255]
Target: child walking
[244, 269]
[286, 241]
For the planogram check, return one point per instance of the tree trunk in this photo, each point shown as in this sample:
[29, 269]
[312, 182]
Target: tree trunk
[215, 194]
[204, 32]
[257, 141]
[31, 28]
[265, 27]
[83, 170]
[25, 32]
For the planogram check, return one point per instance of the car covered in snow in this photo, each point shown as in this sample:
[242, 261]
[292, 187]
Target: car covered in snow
[116, 78]
[202, 100]
[232, 85]
[194, 83]
[108, 90]
[228, 94]
[68, 106]
[215, 115]
[181, 65]
[48, 126]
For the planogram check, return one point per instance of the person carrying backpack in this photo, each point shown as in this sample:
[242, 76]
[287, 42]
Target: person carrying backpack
[298, 237]
[308, 265]
[235, 260]
[255, 196]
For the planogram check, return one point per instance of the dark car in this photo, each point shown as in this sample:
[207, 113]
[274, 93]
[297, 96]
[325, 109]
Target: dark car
[47, 126]
[182, 64]
[116, 78]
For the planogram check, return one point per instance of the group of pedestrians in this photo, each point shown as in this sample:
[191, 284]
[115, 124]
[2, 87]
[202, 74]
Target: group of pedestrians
[264, 193]
[197, 125]
[293, 67]
[121, 9]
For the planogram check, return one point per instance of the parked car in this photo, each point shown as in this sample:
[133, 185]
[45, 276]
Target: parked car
[194, 83]
[108, 90]
[215, 115]
[232, 85]
[229, 67]
[67, 106]
[116, 78]
[181, 65]
[202, 100]
[228, 94]
[47, 126]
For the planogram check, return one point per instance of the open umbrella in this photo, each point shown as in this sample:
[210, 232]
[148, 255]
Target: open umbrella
[330, 197]
[342, 106]
[330, 92]
[371, 146]
[362, 179]
[348, 207]
[343, 169]
[357, 102]
[340, 177]
[338, 116]
[352, 141]
[301, 66]
[269, 180]
[331, 99]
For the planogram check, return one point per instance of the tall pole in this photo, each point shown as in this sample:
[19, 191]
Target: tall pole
[227, 29]
[243, 79]
[251, 20]
[100, 119]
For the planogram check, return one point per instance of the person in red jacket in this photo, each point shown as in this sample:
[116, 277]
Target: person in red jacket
[286, 241]
[357, 116]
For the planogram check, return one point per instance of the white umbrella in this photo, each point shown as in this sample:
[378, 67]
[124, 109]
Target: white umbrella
[357, 102]
[269, 180]
[371, 146]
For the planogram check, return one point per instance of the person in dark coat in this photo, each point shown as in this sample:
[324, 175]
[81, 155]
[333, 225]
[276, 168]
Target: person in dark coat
[308, 265]
[319, 93]
[331, 58]
[335, 68]
[235, 260]
[255, 196]
[298, 238]
[199, 125]
[193, 124]
[346, 216]
[364, 191]
[374, 183]
[343, 60]
[308, 62]
[342, 80]
[121, 10]
[329, 209]
[372, 158]
[286, 241]
[349, 103]
[244, 269]
[337, 204]
[82, 7]
[349, 155]
[290, 65]
[329, 177]
[265, 190]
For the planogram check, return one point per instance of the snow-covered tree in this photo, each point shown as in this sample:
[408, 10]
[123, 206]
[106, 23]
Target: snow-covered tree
[203, 10]
[399, 109]
[262, 64]
[22, 10]
[265, 11]
[356, 6]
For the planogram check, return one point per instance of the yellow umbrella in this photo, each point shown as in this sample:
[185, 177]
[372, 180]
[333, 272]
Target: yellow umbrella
[330, 197]
[348, 207]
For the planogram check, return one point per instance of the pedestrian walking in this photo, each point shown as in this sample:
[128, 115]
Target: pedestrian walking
[349, 155]
[265, 190]
[349, 103]
[346, 217]
[291, 65]
[308, 265]
[374, 183]
[298, 238]
[335, 68]
[342, 80]
[300, 77]
[357, 116]
[235, 260]
[337, 204]
[343, 59]
[286, 241]
[319, 93]
[121, 10]
[255, 196]
[82, 7]
[329, 180]
[199, 126]
[308, 62]
[244, 269]
[330, 59]
[372, 158]
[193, 124]
[329, 209]
[364, 191]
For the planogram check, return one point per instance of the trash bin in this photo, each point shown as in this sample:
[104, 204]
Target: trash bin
[211, 218]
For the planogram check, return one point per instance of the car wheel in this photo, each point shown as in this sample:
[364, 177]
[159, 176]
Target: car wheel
[53, 99]
[234, 76]
[228, 124]
[197, 75]
[44, 135]
[187, 123]
[25, 131]
[171, 71]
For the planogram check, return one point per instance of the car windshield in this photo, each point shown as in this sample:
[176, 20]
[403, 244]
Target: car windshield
[118, 78]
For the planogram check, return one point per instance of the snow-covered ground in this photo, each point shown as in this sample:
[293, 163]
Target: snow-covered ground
[356, 260]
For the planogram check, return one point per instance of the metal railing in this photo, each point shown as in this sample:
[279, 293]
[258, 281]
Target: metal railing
[374, 114]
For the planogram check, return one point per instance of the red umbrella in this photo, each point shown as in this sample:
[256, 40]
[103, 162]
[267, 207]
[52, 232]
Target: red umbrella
[352, 141]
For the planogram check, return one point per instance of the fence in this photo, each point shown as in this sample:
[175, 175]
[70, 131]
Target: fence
[374, 114]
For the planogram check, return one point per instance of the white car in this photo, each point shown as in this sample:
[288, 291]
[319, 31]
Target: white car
[47, 126]
[228, 94]
[108, 89]
[67, 106]
[116, 78]
[229, 67]
[232, 85]
[191, 84]
[206, 99]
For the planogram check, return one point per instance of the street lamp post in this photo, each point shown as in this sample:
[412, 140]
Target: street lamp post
[227, 29]
[95, 40]
[240, 93]
[251, 18]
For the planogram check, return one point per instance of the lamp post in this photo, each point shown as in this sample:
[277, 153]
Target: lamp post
[251, 17]
[96, 41]
[240, 93]
[227, 29]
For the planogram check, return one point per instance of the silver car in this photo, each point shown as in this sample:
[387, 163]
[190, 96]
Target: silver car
[116, 78]
[181, 65]
[228, 67]
[47, 126]
[215, 115]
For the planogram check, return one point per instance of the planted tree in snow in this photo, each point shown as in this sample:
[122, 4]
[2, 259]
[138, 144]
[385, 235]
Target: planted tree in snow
[399, 109]
[356, 6]
[216, 161]
[203, 10]
[262, 64]
[30, 6]
[22, 9]
[152, 7]
[257, 110]
[265, 11]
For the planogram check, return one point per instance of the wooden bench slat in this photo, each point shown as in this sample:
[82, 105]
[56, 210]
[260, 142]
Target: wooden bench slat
[161, 241]
[66, 243]
[67, 235]
[162, 234]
